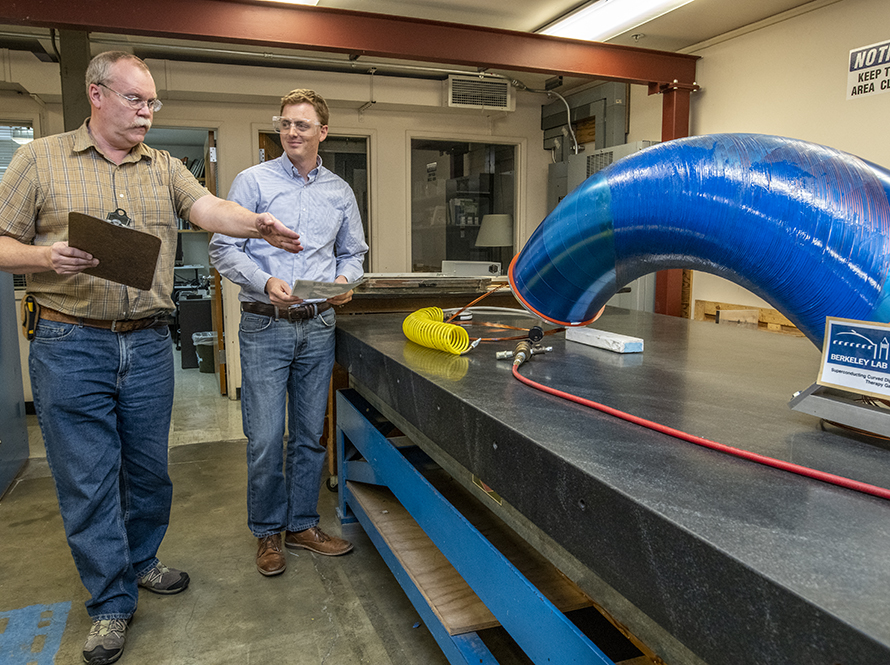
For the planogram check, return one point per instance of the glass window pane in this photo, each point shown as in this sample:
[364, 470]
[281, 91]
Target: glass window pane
[11, 137]
[457, 188]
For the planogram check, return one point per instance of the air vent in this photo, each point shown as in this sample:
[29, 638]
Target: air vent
[471, 92]
[19, 281]
[598, 161]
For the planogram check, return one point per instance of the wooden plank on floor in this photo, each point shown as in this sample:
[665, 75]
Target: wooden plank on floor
[767, 319]
[557, 588]
[452, 600]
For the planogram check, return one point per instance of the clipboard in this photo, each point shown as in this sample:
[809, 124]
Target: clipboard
[126, 256]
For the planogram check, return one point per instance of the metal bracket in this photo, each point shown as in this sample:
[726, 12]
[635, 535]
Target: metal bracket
[842, 407]
[659, 88]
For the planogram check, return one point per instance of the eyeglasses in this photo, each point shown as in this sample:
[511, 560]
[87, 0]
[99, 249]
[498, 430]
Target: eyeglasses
[284, 125]
[136, 102]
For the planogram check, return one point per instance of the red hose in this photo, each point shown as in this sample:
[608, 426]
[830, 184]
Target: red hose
[707, 443]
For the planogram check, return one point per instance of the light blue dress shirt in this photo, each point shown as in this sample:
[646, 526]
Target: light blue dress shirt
[323, 211]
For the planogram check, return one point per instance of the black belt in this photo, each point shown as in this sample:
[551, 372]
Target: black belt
[291, 314]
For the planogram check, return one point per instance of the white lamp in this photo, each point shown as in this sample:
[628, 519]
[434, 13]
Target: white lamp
[605, 19]
[495, 231]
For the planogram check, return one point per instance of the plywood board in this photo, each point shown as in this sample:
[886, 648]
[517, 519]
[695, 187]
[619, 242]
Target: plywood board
[452, 600]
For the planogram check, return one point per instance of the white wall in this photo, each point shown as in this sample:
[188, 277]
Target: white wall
[786, 78]
[403, 109]
[238, 101]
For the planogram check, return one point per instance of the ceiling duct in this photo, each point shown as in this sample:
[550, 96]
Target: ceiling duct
[473, 92]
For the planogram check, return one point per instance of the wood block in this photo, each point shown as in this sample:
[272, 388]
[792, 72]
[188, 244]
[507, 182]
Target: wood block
[767, 319]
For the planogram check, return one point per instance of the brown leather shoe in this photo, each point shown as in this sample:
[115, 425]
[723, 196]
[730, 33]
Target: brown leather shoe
[270, 559]
[316, 540]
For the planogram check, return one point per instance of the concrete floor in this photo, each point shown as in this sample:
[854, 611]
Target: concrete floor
[331, 610]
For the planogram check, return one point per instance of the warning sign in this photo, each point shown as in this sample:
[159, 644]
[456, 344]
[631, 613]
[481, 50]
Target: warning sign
[869, 72]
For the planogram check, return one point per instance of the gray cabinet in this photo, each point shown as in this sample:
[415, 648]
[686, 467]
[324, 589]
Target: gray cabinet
[13, 427]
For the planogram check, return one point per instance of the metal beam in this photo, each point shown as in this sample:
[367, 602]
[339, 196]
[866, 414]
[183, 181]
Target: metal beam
[357, 33]
[74, 50]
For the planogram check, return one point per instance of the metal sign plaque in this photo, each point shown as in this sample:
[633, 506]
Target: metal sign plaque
[856, 357]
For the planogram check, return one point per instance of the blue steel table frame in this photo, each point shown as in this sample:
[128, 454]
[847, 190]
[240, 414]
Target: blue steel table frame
[365, 455]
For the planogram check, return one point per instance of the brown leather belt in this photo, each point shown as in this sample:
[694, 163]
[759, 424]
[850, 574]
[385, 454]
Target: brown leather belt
[118, 325]
[291, 314]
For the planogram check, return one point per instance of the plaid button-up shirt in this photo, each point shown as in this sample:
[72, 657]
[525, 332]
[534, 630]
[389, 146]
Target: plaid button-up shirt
[50, 177]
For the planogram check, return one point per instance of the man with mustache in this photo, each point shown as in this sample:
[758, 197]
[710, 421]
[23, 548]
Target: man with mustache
[101, 359]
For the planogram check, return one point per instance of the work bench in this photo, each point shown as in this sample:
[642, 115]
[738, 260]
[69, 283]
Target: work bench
[701, 557]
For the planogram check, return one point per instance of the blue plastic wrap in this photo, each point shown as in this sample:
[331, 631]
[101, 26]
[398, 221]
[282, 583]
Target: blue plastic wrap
[805, 227]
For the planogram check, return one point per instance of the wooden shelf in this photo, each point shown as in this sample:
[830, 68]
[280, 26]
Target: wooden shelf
[452, 600]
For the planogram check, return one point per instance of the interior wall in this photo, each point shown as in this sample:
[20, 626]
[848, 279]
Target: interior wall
[786, 78]
[239, 101]
[402, 109]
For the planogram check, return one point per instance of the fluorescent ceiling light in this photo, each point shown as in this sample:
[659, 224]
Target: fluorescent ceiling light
[296, 2]
[609, 18]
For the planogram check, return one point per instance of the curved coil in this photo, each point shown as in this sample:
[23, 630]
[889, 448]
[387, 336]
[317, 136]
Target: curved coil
[427, 327]
[805, 227]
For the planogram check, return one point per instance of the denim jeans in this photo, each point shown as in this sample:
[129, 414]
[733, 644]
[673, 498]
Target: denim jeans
[290, 364]
[103, 402]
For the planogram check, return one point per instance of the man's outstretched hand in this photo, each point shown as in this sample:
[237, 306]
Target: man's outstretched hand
[277, 234]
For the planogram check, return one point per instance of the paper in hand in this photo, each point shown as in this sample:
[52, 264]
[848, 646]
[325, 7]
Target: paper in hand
[309, 290]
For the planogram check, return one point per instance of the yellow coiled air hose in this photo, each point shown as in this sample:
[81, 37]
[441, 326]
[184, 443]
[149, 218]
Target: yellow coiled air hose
[427, 327]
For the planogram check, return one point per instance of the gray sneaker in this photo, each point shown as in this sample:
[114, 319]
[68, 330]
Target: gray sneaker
[161, 579]
[105, 643]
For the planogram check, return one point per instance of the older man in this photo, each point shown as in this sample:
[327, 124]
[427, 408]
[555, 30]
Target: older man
[101, 360]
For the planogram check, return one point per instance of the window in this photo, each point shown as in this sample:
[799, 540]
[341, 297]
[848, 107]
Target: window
[455, 185]
[13, 136]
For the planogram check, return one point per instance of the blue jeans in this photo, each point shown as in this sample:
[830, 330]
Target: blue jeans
[103, 402]
[284, 363]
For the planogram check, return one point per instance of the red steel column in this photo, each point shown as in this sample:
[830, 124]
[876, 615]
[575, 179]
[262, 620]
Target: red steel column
[674, 125]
